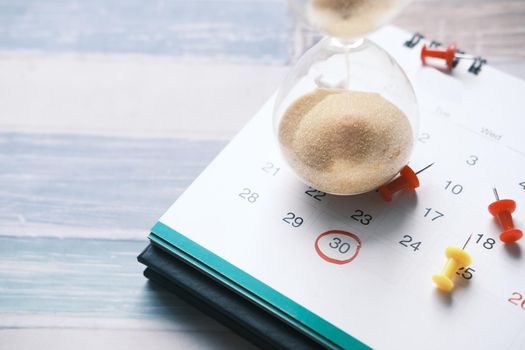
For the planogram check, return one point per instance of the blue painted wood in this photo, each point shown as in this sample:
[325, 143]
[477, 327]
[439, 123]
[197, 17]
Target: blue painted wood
[64, 287]
[70, 185]
[94, 183]
[83, 278]
[75, 285]
[240, 30]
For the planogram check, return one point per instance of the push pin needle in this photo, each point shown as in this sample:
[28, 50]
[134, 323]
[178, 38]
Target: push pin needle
[425, 168]
[407, 179]
[502, 210]
[466, 242]
[495, 193]
[449, 54]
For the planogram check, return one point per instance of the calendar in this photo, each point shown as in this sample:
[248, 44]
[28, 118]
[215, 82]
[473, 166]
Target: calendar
[355, 271]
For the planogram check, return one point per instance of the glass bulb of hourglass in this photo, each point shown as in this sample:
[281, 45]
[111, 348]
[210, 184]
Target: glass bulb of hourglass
[346, 117]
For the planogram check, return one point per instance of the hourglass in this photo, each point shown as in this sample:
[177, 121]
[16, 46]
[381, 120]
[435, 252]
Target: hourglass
[346, 115]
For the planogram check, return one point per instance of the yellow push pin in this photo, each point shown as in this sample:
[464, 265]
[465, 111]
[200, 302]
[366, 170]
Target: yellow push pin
[457, 258]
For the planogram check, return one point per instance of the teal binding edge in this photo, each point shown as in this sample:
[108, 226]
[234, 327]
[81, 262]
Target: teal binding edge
[239, 289]
[239, 280]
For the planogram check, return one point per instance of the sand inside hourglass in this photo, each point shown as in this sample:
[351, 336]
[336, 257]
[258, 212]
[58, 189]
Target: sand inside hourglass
[345, 142]
[349, 18]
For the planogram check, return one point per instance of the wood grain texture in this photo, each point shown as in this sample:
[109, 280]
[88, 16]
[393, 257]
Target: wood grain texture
[60, 293]
[228, 30]
[93, 186]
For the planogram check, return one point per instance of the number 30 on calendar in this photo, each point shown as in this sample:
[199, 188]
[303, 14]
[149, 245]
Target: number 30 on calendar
[338, 247]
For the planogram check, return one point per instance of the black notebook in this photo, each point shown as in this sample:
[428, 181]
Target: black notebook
[214, 299]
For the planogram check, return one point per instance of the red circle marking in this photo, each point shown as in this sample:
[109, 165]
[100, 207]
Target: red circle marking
[337, 261]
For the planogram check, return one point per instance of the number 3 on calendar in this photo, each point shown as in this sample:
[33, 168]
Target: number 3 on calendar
[338, 247]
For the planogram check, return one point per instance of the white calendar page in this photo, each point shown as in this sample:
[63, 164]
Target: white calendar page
[361, 267]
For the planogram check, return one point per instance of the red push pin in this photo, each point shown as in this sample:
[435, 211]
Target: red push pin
[502, 209]
[407, 180]
[449, 54]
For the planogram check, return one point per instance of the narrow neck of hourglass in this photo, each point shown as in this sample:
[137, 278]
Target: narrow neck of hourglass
[347, 44]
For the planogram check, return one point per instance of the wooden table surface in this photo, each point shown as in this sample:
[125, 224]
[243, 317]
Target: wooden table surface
[109, 110]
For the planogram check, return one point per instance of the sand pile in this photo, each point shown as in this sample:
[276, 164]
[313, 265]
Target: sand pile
[345, 142]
